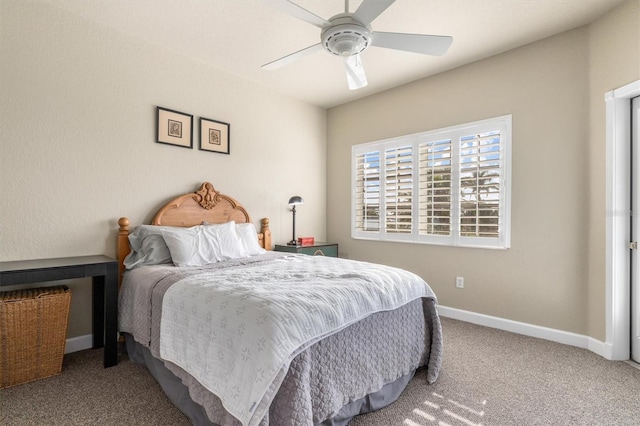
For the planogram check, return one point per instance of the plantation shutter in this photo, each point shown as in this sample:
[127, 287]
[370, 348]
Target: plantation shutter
[398, 189]
[447, 186]
[480, 185]
[367, 203]
[435, 188]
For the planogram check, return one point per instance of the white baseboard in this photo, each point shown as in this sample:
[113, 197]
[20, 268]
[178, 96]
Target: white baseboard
[80, 343]
[531, 330]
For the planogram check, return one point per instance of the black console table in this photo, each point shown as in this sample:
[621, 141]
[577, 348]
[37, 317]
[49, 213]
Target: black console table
[104, 273]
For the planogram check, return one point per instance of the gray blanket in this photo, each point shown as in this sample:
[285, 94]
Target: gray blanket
[343, 367]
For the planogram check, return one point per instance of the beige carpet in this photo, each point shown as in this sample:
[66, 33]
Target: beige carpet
[493, 377]
[489, 377]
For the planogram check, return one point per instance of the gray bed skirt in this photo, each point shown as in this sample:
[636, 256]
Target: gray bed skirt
[178, 393]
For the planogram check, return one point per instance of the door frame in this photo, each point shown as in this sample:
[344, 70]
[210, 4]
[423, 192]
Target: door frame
[618, 224]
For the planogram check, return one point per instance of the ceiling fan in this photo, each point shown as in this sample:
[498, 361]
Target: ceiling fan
[349, 34]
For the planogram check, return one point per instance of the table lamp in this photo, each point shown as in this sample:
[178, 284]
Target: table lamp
[293, 202]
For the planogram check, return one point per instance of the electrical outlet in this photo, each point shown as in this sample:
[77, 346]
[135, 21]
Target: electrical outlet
[459, 282]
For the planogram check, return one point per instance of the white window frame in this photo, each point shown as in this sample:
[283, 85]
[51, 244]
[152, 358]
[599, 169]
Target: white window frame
[502, 123]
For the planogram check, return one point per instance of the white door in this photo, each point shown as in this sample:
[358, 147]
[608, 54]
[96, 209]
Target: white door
[635, 230]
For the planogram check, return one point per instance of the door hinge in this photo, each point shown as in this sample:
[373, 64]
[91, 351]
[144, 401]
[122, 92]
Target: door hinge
[633, 245]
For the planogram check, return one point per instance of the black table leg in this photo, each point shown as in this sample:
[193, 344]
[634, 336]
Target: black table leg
[111, 329]
[98, 311]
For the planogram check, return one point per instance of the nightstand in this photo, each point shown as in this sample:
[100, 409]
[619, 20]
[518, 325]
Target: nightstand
[316, 249]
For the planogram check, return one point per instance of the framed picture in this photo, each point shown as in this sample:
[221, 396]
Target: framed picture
[174, 128]
[214, 136]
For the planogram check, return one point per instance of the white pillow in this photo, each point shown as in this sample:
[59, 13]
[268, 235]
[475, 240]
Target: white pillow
[227, 236]
[249, 238]
[203, 244]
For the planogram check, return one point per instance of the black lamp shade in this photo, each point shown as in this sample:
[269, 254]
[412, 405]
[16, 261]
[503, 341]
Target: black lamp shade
[296, 199]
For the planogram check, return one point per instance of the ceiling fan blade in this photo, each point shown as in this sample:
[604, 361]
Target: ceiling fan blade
[298, 12]
[417, 43]
[285, 60]
[355, 72]
[370, 10]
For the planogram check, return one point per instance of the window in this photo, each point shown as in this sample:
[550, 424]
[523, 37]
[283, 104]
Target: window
[447, 186]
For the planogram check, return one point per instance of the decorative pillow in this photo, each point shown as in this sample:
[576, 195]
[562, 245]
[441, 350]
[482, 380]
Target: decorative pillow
[203, 244]
[147, 247]
[249, 238]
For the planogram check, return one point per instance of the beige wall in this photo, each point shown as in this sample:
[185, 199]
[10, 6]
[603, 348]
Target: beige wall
[78, 140]
[555, 266]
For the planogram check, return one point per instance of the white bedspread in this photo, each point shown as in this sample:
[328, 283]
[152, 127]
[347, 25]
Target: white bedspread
[237, 331]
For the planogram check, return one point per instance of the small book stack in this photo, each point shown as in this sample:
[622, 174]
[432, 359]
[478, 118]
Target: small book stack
[305, 241]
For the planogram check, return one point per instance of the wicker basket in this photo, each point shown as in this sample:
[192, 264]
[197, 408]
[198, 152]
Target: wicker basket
[33, 328]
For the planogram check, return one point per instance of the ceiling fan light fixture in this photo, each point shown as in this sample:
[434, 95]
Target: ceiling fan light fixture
[346, 39]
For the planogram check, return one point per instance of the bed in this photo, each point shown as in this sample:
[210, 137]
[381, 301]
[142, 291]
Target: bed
[237, 334]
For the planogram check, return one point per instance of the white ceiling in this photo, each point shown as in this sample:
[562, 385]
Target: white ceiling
[238, 36]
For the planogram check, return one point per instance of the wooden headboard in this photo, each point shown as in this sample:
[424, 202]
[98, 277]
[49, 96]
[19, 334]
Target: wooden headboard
[204, 205]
